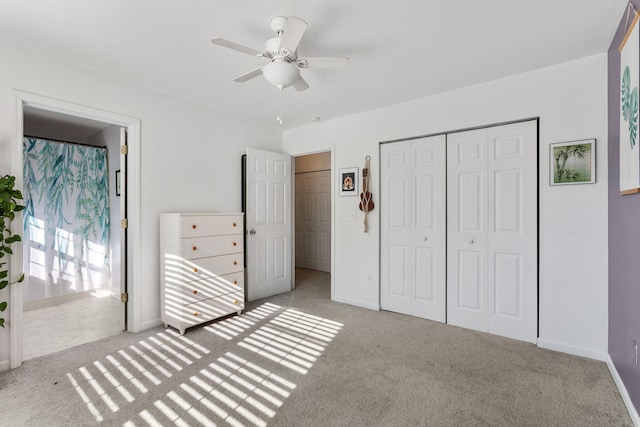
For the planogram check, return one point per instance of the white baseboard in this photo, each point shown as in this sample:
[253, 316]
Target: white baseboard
[5, 365]
[569, 349]
[623, 392]
[361, 304]
[150, 324]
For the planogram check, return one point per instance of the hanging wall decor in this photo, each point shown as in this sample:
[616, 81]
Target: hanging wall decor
[349, 182]
[629, 83]
[366, 198]
[573, 162]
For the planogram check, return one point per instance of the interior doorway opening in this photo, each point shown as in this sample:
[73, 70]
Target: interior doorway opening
[71, 234]
[130, 180]
[312, 213]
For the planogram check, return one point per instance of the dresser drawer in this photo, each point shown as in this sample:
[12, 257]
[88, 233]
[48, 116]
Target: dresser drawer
[212, 308]
[210, 225]
[200, 268]
[211, 287]
[202, 247]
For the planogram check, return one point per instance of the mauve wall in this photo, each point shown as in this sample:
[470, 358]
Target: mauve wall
[624, 243]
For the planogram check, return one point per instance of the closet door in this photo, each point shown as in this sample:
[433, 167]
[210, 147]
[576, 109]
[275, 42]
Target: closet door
[492, 230]
[467, 230]
[314, 222]
[413, 266]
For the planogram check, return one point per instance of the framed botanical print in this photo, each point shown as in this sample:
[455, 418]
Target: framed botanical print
[572, 162]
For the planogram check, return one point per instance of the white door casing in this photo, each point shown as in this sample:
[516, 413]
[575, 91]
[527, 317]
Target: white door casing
[134, 271]
[124, 286]
[413, 227]
[268, 223]
[313, 220]
[492, 231]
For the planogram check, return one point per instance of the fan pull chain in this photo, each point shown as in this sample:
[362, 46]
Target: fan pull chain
[278, 117]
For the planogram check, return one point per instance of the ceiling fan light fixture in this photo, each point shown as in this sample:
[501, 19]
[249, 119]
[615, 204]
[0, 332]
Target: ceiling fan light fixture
[281, 73]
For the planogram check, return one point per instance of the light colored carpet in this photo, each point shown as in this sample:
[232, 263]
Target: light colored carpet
[299, 359]
[51, 329]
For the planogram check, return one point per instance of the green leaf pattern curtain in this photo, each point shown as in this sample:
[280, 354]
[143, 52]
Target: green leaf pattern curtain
[66, 220]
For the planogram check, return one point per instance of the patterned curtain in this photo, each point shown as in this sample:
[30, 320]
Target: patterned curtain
[66, 220]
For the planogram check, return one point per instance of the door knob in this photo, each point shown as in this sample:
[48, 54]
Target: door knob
[252, 232]
[471, 241]
[425, 238]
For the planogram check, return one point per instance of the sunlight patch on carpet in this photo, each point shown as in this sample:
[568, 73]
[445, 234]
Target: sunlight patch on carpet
[241, 388]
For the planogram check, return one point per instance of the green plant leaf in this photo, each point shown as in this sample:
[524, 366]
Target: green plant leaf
[8, 250]
[3, 306]
[625, 92]
[1, 322]
[633, 117]
[20, 279]
[12, 239]
[4, 284]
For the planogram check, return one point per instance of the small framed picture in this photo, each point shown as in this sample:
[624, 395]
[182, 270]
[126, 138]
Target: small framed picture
[348, 182]
[572, 162]
[118, 182]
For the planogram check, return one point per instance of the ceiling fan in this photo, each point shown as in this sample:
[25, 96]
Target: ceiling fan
[283, 70]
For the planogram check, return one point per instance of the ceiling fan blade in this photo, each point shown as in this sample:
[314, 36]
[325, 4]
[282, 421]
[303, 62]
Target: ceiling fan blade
[235, 46]
[248, 76]
[323, 63]
[292, 33]
[300, 84]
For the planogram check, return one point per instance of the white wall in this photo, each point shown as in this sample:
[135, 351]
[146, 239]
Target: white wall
[571, 101]
[190, 156]
[110, 137]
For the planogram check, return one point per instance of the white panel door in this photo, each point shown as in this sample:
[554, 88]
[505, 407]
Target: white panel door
[413, 234]
[467, 229]
[513, 230]
[268, 217]
[492, 230]
[313, 220]
[298, 234]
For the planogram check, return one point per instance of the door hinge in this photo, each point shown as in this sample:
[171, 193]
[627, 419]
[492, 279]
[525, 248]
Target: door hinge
[124, 149]
[124, 297]
[124, 223]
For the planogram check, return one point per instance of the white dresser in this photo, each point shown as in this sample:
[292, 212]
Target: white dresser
[202, 267]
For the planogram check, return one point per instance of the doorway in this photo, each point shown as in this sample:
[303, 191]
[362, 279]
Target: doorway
[25, 104]
[312, 200]
[71, 234]
[313, 217]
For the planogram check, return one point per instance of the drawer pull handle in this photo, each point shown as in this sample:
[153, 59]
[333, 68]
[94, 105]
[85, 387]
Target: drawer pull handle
[195, 313]
[235, 301]
[235, 262]
[235, 282]
[195, 270]
[195, 292]
[234, 243]
[234, 224]
[195, 248]
[194, 226]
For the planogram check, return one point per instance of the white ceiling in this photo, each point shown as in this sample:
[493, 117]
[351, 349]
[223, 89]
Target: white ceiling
[399, 50]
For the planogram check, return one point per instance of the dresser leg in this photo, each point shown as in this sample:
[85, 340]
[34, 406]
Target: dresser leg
[181, 331]
[166, 326]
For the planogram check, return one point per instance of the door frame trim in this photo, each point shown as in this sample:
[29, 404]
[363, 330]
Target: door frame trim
[134, 273]
[304, 152]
